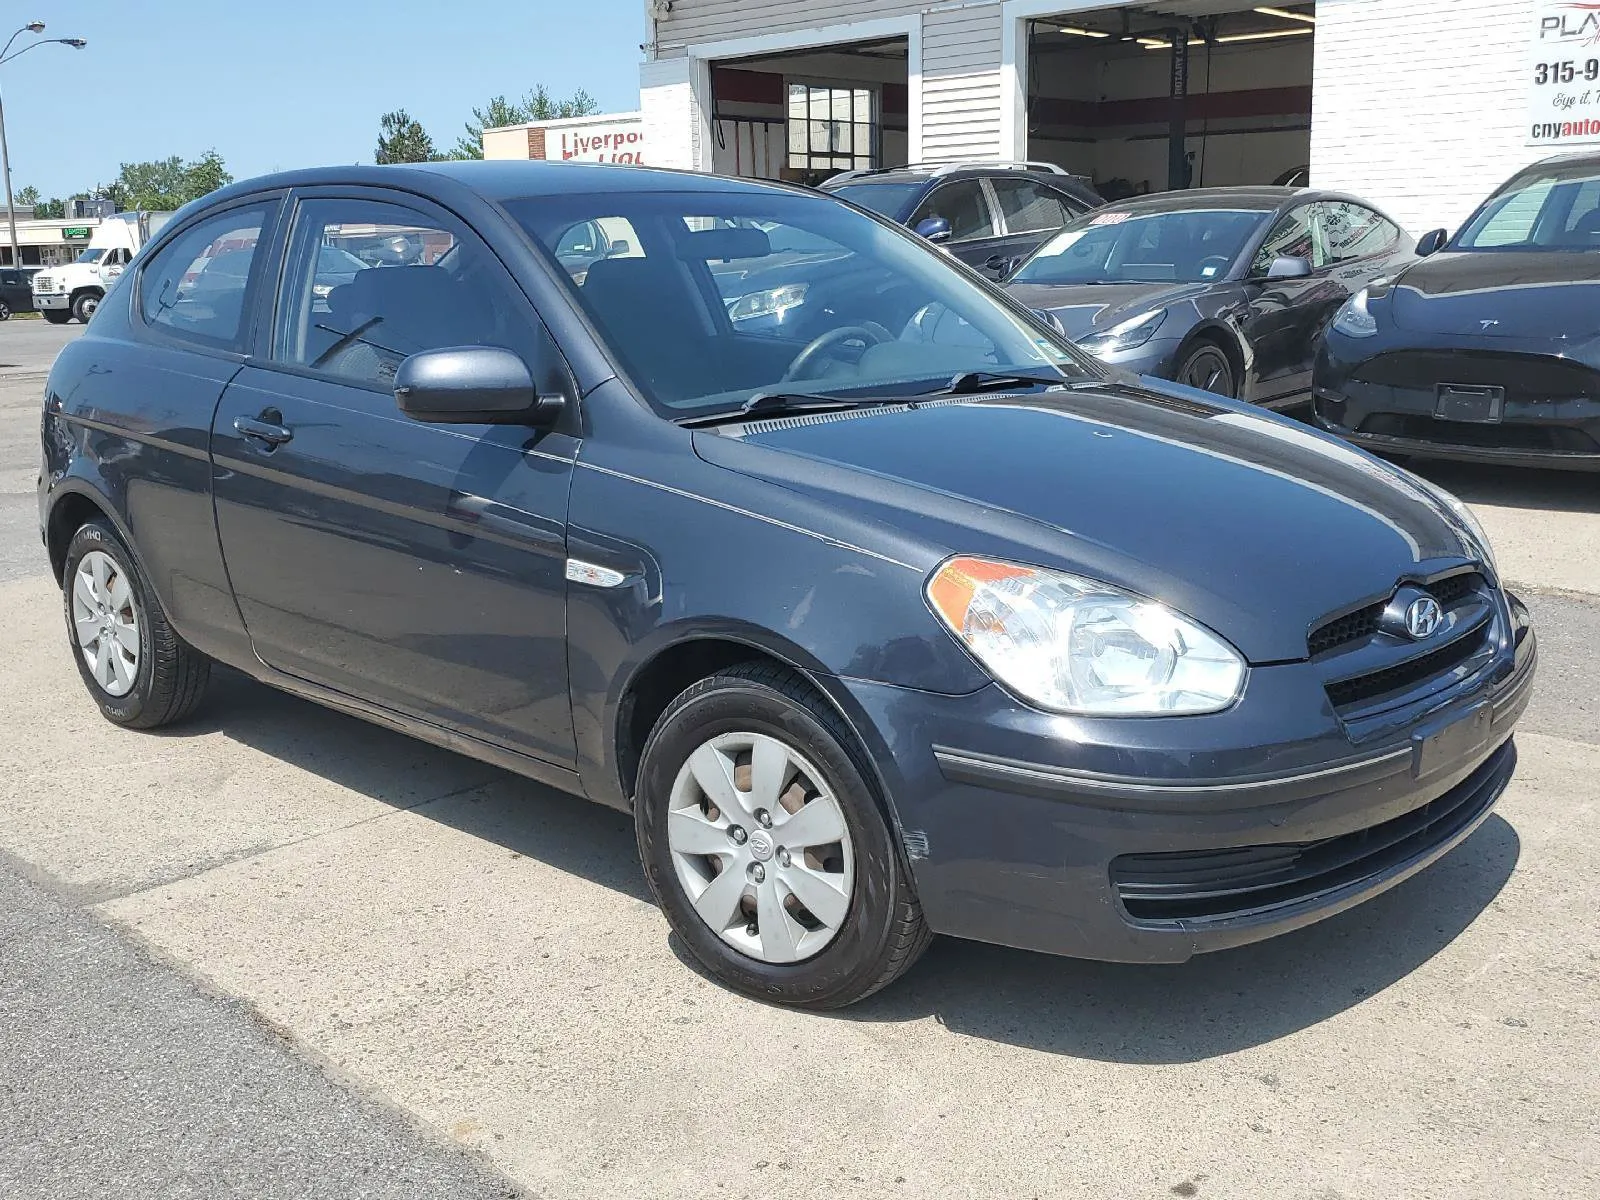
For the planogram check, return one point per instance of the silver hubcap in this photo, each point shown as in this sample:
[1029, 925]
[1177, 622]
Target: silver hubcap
[760, 845]
[105, 622]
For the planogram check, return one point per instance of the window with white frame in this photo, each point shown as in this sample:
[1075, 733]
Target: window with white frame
[832, 127]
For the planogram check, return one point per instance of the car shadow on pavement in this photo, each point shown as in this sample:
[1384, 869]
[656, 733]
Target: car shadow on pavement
[1514, 487]
[1214, 1004]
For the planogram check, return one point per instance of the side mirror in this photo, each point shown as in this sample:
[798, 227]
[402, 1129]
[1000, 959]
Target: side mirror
[1288, 267]
[472, 385]
[935, 229]
[1432, 242]
[620, 248]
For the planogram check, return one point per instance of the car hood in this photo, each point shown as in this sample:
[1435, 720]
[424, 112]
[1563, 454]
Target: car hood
[1084, 309]
[1549, 294]
[1255, 526]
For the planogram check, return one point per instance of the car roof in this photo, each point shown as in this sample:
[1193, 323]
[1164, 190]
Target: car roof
[508, 179]
[1263, 198]
[928, 173]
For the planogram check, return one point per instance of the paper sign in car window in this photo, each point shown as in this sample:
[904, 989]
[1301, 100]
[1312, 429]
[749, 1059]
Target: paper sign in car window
[1062, 243]
[1110, 218]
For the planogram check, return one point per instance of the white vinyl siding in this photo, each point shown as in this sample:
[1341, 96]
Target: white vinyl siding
[1421, 106]
[961, 83]
[695, 21]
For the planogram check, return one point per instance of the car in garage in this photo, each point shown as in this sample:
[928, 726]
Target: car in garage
[1488, 350]
[1224, 289]
[927, 623]
[987, 214]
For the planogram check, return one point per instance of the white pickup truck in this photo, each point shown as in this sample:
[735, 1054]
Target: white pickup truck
[75, 290]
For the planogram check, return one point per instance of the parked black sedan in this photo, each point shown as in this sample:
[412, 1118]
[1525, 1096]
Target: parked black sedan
[16, 290]
[923, 624]
[1225, 289]
[1487, 351]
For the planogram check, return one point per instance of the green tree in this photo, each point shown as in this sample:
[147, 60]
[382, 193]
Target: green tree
[402, 139]
[50, 210]
[167, 184]
[537, 105]
[29, 197]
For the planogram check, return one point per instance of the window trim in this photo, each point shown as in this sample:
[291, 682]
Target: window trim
[874, 90]
[268, 258]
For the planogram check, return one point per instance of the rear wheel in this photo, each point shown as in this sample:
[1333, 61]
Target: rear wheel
[138, 670]
[1206, 366]
[5, 311]
[56, 316]
[83, 307]
[767, 848]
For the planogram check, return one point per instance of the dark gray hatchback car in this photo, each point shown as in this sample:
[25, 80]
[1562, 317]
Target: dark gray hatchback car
[924, 624]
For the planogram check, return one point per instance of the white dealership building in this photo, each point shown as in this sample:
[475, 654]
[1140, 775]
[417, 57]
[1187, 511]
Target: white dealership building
[1421, 105]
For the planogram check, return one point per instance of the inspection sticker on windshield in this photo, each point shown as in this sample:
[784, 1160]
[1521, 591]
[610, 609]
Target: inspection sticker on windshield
[1113, 218]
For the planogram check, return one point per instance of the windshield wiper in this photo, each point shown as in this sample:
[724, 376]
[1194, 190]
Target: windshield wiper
[970, 382]
[777, 404]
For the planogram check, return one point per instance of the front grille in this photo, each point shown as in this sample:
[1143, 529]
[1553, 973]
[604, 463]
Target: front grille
[1524, 376]
[44, 283]
[1409, 673]
[1503, 435]
[1200, 885]
[1363, 623]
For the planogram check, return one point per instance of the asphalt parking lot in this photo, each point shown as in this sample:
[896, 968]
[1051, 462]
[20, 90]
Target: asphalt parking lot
[405, 954]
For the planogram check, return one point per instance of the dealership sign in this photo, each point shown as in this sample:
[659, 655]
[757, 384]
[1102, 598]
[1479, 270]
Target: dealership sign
[601, 141]
[1564, 74]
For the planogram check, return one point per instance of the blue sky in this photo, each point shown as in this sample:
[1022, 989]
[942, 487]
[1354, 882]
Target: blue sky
[288, 83]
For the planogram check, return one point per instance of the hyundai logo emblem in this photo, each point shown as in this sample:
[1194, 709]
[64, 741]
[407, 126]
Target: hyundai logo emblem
[1423, 617]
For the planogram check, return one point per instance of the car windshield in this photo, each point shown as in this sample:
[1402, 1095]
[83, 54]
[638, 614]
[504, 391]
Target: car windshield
[1121, 245]
[1548, 208]
[715, 297]
[91, 256]
[890, 199]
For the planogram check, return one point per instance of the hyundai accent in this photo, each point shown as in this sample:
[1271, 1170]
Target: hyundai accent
[925, 624]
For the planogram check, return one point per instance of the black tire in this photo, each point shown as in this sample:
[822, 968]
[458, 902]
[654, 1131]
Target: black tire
[170, 677]
[883, 933]
[55, 316]
[83, 307]
[5, 311]
[1205, 365]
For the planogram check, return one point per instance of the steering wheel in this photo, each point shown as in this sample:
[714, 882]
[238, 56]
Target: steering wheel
[869, 332]
[1220, 261]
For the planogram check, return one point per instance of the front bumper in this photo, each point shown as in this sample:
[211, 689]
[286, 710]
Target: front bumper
[1154, 840]
[1387, 399]
[53, 301]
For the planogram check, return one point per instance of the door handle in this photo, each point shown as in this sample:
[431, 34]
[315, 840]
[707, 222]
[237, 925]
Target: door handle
[272, 434]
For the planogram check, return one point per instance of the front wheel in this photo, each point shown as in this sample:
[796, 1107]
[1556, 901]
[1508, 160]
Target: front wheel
[767, 848]
[139, 671]
[1206, 367]
[84, 306]
[56, 317]
[5, 311]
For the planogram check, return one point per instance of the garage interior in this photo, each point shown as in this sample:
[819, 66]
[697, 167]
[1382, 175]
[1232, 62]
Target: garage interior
[1190, 93]
[808, 114]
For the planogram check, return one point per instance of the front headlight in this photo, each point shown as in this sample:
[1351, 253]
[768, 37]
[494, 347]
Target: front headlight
[1354, 319]
[1465, 518]
[774, 302]
[1073, 645]
[1135, 331]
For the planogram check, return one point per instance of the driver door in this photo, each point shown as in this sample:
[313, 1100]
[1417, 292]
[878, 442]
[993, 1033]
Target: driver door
[1280, 321]
[418, 567]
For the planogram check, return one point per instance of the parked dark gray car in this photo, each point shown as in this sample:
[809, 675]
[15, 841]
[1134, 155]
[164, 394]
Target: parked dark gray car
[1226, 289]
[926, 623]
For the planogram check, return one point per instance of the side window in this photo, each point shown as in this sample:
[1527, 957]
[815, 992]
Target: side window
[1296, 235]
[368, 284]
[1030, 206]
[1353, 231]
[962, 204]
[197, 285]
